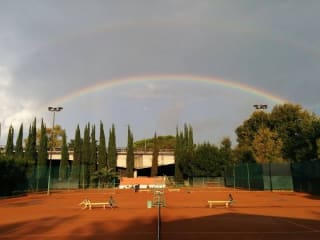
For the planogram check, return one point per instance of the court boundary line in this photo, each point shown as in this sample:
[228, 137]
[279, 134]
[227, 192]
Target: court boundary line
[300, 225]
[247, 232]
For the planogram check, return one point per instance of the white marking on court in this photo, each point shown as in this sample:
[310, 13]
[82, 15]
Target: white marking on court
[301, 225]
[233, 233]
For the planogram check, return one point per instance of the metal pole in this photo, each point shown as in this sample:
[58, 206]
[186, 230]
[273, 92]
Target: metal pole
[51, 149]
[234, 176]
[270, 178]
[159, 218]
[248, 176]
[54, 110]
[262, 107]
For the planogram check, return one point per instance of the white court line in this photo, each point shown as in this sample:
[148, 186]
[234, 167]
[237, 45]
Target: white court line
[237, 233]
[301, 225]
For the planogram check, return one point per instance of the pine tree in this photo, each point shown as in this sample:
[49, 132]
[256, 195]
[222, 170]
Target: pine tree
[9, 145]
[64, 163]
[155, 154]
[112, 149]
[19, 146]
[77, 163]
[42, 158]
[130, 154]
[93, 154]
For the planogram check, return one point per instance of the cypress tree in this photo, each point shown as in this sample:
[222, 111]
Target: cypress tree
[19, 146]
[112, 149]
[190, 139]
[31, 154]
[155, 154]
[190, 155]
[86, 154]
[76, 163]
[178, 152]
[64, 163]
[28, 154]
[42, 158]
[102, 152]
[130, 154]
[93, 154]
[34, 141]
[184, 153]
[186, 136]
[9, 145]
[32, 148]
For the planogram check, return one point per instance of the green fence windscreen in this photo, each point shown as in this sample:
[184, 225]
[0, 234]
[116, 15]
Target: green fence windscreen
[253, 176]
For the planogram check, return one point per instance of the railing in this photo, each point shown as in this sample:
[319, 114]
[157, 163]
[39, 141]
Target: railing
[148, 150]
[119, 150]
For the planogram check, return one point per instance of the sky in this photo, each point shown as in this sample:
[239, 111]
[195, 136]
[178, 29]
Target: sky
[155, 65]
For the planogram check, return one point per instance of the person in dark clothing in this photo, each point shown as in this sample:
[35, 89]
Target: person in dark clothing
[230, 197]
[111, 202]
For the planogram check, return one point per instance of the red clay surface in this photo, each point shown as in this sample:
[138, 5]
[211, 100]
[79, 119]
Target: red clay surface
[255, 215]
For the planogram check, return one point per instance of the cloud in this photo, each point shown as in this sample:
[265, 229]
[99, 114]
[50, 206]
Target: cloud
[52, 48]
[14, 110]
[5, 78]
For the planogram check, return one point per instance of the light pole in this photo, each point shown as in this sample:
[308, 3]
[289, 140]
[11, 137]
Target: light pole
[263, 107]
[54, 110]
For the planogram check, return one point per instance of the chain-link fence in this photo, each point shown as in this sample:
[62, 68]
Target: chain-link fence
[214, 182]
[300, 177]
[17, 178]
[253, 176]
[306, 176]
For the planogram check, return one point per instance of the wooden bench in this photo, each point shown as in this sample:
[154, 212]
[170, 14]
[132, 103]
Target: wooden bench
[219, 203]
[88, 204]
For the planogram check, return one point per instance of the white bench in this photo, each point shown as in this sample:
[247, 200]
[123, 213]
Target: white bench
[219, 203]
[88, 204]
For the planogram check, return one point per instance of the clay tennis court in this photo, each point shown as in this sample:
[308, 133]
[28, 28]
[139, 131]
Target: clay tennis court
[255, 215]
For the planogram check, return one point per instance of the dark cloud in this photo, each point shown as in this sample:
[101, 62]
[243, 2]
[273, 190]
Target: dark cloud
[52, 48]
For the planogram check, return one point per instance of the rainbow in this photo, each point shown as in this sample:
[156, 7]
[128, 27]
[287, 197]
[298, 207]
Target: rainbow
[112, 83]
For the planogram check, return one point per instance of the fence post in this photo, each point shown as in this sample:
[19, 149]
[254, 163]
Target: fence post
[234, 176]
[270, 178]
[248, 176]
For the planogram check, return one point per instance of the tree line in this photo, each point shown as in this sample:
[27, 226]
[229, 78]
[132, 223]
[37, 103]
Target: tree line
[287, 134]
